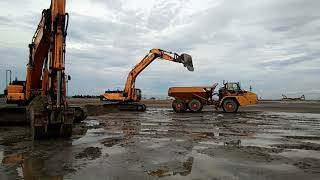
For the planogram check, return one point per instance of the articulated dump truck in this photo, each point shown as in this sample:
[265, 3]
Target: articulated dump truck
[229, 98]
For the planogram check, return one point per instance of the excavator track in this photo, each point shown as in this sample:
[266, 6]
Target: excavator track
[13, 115]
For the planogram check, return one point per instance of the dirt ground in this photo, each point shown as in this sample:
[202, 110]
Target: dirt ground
[271, 140]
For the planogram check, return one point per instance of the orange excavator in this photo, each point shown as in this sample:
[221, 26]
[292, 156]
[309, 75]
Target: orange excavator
[44, 91]
[129, 98]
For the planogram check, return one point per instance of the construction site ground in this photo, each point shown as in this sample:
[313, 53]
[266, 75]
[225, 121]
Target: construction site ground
[270, 140]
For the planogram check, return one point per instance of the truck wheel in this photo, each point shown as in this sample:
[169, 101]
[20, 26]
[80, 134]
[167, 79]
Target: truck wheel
[79, 114]
[195, 105]
[179, 106]
[230, 106]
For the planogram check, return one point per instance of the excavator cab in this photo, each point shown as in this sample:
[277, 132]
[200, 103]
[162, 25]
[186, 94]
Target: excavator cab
[138, 94]
[14, 92]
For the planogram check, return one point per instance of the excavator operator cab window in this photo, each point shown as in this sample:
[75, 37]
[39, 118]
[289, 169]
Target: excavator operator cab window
[138, 93]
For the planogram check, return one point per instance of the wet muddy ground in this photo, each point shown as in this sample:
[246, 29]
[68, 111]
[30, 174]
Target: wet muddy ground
[255, 143]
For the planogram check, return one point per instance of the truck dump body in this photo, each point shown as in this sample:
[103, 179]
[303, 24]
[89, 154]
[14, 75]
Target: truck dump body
[203, 93]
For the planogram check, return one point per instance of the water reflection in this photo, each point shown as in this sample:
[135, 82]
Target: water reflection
[46, 160]
[1, 155]
[31, 168]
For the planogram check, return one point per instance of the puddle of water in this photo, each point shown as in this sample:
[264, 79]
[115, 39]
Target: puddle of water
[1, 155]
[295, 115]
[179, 140]
[91, 123]
[261, 140]
[211, 143]
[20, 172]
[163, 139]
[300, 153]
[34, 168]
[156, 145]
[155, 129]
[257, 142]
[222, 166]
[199, 148]
[147, 133]
[149, 124]
[94, 135]
[281, 132]
[311, 141]
[114, 150]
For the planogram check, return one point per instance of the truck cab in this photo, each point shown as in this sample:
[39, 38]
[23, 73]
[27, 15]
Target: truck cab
[231, 96]
[230, 89]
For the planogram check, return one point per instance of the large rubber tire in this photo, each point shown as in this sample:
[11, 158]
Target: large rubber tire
[179, 106]
[79, 114]
[141, 107]
[230, 106]
[195, 105]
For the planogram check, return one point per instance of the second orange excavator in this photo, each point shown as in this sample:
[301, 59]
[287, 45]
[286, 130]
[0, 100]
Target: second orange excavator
[129, 98]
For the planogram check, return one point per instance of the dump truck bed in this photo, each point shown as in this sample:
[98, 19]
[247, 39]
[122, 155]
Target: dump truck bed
[199, 92]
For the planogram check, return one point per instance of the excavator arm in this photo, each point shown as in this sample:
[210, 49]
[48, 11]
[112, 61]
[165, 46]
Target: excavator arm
[38, 55]
[46, 79]
[129, 90]
[47, 52]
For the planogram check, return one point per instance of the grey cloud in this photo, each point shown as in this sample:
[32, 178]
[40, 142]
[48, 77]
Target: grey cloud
[112, 4]
[4, 20]
[97, 31]
[292, 61]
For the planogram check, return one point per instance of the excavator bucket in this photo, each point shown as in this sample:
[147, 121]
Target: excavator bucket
[186, 59]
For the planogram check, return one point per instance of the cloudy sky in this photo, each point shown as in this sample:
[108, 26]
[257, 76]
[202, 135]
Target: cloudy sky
[272, 45]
